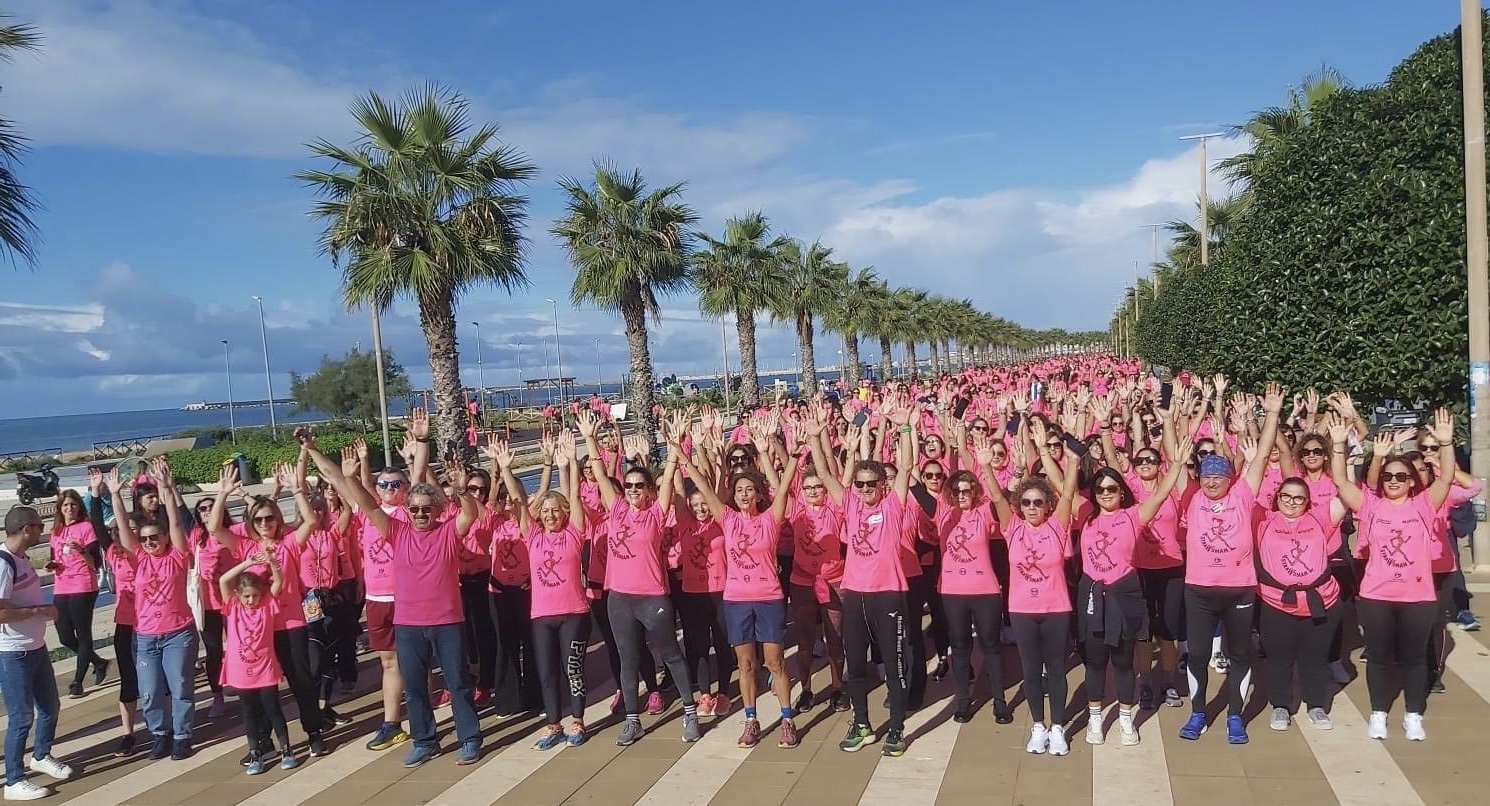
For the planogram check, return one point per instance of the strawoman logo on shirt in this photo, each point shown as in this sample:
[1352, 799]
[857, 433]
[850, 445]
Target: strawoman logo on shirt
[698, 555]
[380, 550]
[749, 532]
[249, 627]
[1217, 539]
[957, 543]
[619, 542]
[548, 571]
[507, 555]
[806, 534]
[1293, 561]
[1097, 552]
[1393, 549]
[866, 541]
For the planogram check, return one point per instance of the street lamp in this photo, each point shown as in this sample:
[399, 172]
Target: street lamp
[799, 372]
[840, 368]
[227, 366]
[1205, 170]
[382, 385]
[480, 373]
[599, 379]
[558, 357]
[1477, 255]
[268, 378]
[520, 386]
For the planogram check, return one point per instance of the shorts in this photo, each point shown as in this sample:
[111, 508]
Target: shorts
[380, 626]
[755, 622]
[1164, 593]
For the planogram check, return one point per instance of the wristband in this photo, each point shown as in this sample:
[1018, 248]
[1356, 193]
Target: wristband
[427, 440]
[905, 429]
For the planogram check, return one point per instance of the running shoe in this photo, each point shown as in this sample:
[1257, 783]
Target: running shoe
[551, 738]
[1435, 686]
[419, 754]
[1058, 744]
[691, 732]
[1412, 728]
[75, 691]
[655, 703]
[705, 704]
[318, 746]
[391, 734]
[617, 703]
[631, 733]
[894, 744]
[469, 753]
[288, 760]
[1466, 621]
[575, 736]
[1128, 729]
[256, 765]
[858, 736]
[751, 735]
[1320, 720]
[442, 699]
[1094, 730]
[1172, 698]
[101, 671]
[1194, 726]
[1236, 729]
[804, 701]
[1039, 739]
[482, 697]
[840, 701]
[722, 705]
[1376, 725]
[332, 717]
[1220, 663]
[1280, 719]
[786, 734]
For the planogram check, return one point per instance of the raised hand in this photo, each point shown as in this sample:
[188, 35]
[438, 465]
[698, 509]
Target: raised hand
[1341, 402]
[95, 481]
[1272, 398]
[111, 478]
[983, 450]
[1443, 426]
[419, 423]
[286, 477]
[564, 448]
[499, 451]
[1248, 447]
[1382, 444]
[1311, 402]
[1338, 429]
[161, 470]
[1101, 410]
[457, 473]
[587, 423]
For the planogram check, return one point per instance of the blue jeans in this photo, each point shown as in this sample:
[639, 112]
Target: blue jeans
[419, 650]
[30, 693]
[167, 662]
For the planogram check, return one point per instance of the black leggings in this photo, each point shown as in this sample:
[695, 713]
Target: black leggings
[515, 689]
[1345, 577]
[340, 641]
[262, 717]
[1397, 636]
[213, 627]
[964, 614]
[75, 629]
[559, 644]
[877, 617]
[1297, 641]
[1044, 641]
[917, 595]
[124, 661]
[633, 617]
[1438, 637]
[293, 649]
[648, 667]
[481, 628]
[703, 629]
[1098, 656]
[1205, 607]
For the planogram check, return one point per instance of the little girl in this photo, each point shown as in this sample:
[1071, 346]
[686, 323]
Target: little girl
[249, 664]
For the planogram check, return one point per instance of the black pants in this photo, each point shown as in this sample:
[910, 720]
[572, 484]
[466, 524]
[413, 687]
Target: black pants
[293, 649]
[1397, 636]
[263, 719]
[963, 614]
[647, 668]
[1206, 607]
[515, 685]
[918, 593]
[75, 629]
[1344, 573]
[631, 618]
[703, 629]
[1297, 641]
[213, 628]
[1044, 642]
[343, 613]
[1098, 656]
[559, 644]
[124, 661]
[881, 617]
[1438, 637]
[481, 628]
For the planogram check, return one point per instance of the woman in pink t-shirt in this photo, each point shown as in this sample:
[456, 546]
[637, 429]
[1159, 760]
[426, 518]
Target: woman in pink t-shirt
[249, 604]
[121, 563]
[754, 603]
[75, 560]
[700, 546]
[817, 570]
[1398, 599]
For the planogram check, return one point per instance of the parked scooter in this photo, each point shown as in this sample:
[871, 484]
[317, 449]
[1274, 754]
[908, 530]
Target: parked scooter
[30, 487]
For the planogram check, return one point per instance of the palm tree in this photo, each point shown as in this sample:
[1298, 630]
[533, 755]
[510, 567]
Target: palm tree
[1221, 216]
[878, 307]
[908, 313]
[852, 315]
[1270, 127]
[738, 276]
[424, 207]
[811, 279]
[628, 246]
[18, 233]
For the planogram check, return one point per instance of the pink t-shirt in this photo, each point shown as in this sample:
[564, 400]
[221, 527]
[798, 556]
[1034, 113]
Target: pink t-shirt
[123, 567]
[1037, 567]
[213, 558]
[377, 554]
[873, 537]
[1296, 553]
[1321, 492]
[1159, 542]
[509, 554]
[700, 553]
[1272, 481]
[555, 568]
[248, 660]
[426, 575]
[634, 550]
[317, 567]
[1109, 545]
[1445, 545]
[967, 563]
[817, 535]
[74, 576]
[750, 573]
[160, 592]
[1396, 541]
[475, 554]
[1219, 539]
[290, 613]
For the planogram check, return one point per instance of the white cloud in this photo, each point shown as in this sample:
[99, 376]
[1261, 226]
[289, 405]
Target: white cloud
[58, 318]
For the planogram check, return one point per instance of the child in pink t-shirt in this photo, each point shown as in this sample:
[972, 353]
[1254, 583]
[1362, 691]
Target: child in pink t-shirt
[250, 607]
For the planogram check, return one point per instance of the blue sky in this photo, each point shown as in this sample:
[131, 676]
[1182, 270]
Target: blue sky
[1009, 152]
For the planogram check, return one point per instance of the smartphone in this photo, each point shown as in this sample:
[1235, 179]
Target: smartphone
[1166, 391]
[861, 418]
[961, 407]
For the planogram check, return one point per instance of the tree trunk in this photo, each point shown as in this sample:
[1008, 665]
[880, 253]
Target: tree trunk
[935, 360]
[449, 417]
[851, 355]
[885, 359]
[750, 386]
[804, 348]
[947, 365]
[910, 359]
[643, 396]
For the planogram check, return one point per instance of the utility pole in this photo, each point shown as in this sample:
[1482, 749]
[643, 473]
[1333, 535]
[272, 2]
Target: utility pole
[1471, 41]
[1205, 171]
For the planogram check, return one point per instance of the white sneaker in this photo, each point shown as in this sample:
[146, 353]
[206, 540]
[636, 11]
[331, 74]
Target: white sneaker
[25, 790]
[1376, 725]
[1220, 663]
[1412, 728]
[1128, 729]
[1094, 731]
[1280, 719]
[1320, 720]
[1039, 739]
[52, 768]
[1339, 673]
[1058, 745]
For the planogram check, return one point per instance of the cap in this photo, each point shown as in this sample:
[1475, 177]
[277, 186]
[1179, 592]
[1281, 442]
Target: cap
[1214, 465]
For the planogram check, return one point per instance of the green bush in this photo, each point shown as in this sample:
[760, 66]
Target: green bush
[202, 466]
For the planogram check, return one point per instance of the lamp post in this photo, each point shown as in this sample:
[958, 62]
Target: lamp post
[1471, 42]
[268, 378]
[521, 386]
[558, 357]
[599, 379]
[377, 323]
[227, 365]
[1205, 170]
[840, 368]
[724, 363]
[480, 373]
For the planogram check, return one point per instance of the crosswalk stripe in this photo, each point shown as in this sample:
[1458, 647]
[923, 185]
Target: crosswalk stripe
[916, 777]
[1360, 771]
[124, 789]
[705, 767]
[1471, 662]
[1143, 769]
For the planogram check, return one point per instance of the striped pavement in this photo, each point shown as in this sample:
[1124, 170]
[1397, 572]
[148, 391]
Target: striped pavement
[980, 762]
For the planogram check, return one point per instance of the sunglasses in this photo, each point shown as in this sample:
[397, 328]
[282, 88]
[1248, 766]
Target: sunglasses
[738, 459]
[1146, 460]
[1285, 498]
[1312, 452]
[1400, 478]
[1425, 446]
[869, 484]
[1032, 502]
[390, 485]
[421, 510]
[204, 507]
[964, 491]
[1204, 452]
[150, 538]
[932, 476]
[477, 488]
[1054, 444]
[635, 485]
[1109, 489]
[264, 519]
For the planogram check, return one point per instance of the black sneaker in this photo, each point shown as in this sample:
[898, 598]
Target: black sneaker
[100, 672]
[1436, 687]
[964, 714]
[331, 717]
[75, 691]
[941, 669]
[804, 701]
[181, 750]
[318, 746]
[160, 747]
[840, 701]
[1001, 713]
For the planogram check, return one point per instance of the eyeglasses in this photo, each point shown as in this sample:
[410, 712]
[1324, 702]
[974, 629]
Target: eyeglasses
[933, 476]
[1203, 452]
[1109, 489]
[739, 459]
[1285, 498]
[1032, 502]
[476, 488]
[1400, 478]
[866, 484]
[1312, 452]
[812, 487]
[392, 484]
[635, 485]
[961, 491]
[1054, 443]
[1428, 446]
[204, 507]
[421, 510]
[154, 537]
[264, 519]
[1145, 460]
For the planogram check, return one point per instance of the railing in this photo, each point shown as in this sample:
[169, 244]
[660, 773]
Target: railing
[11, 461]
[120, 448]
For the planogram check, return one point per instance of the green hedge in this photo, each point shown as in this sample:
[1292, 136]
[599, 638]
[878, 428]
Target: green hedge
[202, 466]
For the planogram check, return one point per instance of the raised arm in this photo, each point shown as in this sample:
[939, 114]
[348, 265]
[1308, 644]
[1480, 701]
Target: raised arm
[293, 478]
[1349, 492]
[813, 426]
[170, 498]
[470, 508]
[1272, 405]
[127, 540]
[587, 422]
[783, 494]
[499, 454]
[355, 493]
[983, 451]
[1149, 508]
[227, 481]
[1443, 429]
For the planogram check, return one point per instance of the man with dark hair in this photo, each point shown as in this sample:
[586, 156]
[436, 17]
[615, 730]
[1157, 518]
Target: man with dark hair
[26, 681]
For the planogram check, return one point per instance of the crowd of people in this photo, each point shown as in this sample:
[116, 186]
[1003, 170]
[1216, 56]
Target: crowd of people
[1067, 508]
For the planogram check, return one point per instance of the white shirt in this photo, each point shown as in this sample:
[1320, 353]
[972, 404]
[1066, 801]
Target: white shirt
[22, 589]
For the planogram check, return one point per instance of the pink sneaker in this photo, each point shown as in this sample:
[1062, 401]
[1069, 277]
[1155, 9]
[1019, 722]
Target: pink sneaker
[617, 703]
[482, 698]
[655, 705]
[706, 705]
[721, 705]
[442, 699]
